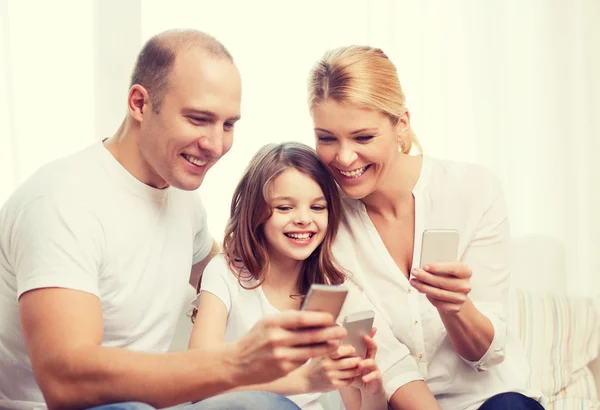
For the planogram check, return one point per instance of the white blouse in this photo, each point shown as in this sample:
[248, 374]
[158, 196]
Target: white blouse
[448, 195]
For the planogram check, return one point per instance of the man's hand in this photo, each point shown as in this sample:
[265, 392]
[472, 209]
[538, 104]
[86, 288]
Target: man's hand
[279, 344]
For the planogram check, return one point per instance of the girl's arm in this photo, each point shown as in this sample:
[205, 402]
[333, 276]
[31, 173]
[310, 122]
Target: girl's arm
[209, 331]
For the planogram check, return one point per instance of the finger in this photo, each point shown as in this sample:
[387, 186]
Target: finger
[456, 268]
[343, 351]
[346, 363]
[332, 334]
[450, 283]
[302, 353]
[368, 365]
[345, 374]
[299, 319]
[371, 377]
[437, 293]
[373, 331]
[371, 347]
[443, 306]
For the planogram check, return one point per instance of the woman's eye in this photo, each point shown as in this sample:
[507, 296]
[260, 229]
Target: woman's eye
[364, 138]
[325, 138]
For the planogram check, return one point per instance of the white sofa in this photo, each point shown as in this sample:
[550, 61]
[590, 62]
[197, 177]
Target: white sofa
[561, 333]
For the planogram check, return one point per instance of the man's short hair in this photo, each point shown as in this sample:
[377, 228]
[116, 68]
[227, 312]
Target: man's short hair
[155, 61]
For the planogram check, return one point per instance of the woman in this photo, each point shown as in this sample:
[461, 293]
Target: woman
[452, 315]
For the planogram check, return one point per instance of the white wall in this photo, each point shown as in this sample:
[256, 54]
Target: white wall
[511, 85]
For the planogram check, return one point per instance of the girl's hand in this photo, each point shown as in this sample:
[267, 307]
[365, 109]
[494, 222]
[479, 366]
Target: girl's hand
[369, 381]
[332, 372]
[446, 284]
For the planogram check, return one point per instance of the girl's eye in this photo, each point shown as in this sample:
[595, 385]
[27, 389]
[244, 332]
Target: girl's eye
[284, 207]
[318, 208]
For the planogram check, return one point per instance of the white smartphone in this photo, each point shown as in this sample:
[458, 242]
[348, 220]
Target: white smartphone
[439, 245]
[357, 325]
[325, 298]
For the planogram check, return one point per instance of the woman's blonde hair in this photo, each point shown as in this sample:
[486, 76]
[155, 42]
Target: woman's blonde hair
[362, 76]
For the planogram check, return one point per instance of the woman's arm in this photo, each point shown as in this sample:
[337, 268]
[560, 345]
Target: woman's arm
[472, 295]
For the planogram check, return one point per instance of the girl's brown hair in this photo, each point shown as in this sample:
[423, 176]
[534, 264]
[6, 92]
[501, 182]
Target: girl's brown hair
[245, 244]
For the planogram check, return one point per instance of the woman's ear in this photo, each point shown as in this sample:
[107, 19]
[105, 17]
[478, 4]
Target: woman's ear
[402, 129]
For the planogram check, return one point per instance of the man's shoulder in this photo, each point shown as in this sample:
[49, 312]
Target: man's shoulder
[64, 180]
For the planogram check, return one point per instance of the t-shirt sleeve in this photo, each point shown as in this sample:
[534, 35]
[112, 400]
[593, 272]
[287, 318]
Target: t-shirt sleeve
[203, 240]
[216, 280]
[56, 243]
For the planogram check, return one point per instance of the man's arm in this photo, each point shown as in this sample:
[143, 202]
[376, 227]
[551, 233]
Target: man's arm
[63, 333]
[198, 268]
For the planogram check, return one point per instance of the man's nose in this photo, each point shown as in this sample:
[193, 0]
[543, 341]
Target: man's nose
[212, 141]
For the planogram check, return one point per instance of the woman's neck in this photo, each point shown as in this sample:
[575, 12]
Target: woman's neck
[393, 194]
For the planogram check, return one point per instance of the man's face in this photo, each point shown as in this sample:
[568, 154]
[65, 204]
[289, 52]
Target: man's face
[194, 126]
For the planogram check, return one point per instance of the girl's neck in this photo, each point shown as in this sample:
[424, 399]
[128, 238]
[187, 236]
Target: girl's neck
[283, 275]
[393, 193]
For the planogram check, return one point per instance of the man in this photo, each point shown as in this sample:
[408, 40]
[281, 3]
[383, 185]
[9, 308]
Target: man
[96, 249]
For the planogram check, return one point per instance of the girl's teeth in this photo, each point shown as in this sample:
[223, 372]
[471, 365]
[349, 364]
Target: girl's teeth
[195, 161]
[299, 235]
[354, 174]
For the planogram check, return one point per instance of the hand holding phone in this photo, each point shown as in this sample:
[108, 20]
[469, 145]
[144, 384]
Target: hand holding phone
[325, 298]
[358, 325]
[439, 245]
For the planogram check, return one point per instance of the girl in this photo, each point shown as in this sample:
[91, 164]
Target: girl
[284, 218]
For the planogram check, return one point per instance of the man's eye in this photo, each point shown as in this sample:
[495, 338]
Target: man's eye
[198, 119]
[228, 126]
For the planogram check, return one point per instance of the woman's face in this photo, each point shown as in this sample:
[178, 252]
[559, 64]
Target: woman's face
[357, 145]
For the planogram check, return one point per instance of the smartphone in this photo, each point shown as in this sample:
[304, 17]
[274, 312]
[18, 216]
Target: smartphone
[325, 298]
[357, 325]
[439, 245]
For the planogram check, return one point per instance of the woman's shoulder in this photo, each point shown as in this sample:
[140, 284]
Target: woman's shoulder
[457, 176]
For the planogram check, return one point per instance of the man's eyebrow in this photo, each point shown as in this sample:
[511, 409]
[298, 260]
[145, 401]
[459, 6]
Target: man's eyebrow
[208, 113]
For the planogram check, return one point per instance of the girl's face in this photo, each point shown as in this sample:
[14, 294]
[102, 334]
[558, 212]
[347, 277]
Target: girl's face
[357, 145]
[299, 220]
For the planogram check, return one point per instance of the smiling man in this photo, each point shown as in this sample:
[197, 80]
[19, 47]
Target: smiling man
[96, 251]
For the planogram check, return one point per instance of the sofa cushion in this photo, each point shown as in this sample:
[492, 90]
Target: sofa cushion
[561, 336]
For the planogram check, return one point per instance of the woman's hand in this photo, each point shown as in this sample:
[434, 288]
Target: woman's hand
[446, 284]
[332, 372]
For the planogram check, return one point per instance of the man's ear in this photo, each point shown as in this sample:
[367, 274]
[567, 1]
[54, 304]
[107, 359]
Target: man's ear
[138, 102]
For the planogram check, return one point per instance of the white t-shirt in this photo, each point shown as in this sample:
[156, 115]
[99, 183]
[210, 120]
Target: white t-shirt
[246, 307]
[448, 195]
[83, 222]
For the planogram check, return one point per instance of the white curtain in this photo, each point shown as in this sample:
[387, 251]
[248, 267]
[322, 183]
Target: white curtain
[511, 85]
